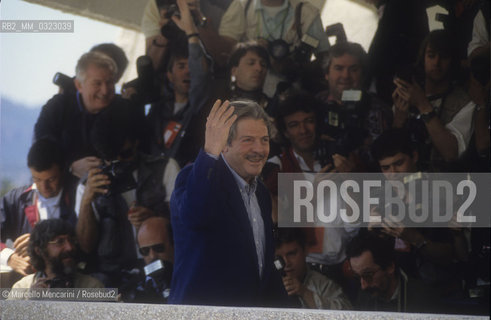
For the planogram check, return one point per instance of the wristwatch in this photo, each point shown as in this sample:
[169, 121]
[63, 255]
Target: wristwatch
[427, 116]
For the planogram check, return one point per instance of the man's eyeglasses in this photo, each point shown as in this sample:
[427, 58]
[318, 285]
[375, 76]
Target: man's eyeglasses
[159, 248]
[367, 276]
[61, 241]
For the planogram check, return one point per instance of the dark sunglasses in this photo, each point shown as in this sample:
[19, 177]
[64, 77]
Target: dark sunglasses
[159, 248]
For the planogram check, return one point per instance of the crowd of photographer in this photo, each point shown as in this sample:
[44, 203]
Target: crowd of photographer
[98, 211]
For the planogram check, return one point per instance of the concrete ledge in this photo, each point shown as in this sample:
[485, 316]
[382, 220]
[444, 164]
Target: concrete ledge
[98, 310]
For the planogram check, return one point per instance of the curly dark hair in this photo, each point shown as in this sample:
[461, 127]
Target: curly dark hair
[43, 232]
[297, 101]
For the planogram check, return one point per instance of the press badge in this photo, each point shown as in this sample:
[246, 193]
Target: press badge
[171, 132]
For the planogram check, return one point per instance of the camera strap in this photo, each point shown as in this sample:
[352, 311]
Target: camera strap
[297, 24]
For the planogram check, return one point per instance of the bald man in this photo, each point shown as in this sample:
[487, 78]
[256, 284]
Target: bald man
[155, 240]
[157, 248]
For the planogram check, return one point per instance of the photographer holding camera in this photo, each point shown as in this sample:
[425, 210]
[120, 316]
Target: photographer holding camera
[291, 30]
[174, 119]
[434, 254]
[312, 289]
[67, 118]
[438, 112]
[54, 253]
[118, 196]
[157, 248]
[352, 118]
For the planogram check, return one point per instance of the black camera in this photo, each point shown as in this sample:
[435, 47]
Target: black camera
[336, 30]
[296, 63]
[170, 31]
[154, 287]
[145, 85]
[344, 124]
[65, 83]
[59, 283]
[120, 173]
[279, 49]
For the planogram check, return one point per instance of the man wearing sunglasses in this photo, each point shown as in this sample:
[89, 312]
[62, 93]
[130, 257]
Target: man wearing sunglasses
[157, 248]
[53, 252]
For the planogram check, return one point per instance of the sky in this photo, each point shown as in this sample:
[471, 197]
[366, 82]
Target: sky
[28, 61]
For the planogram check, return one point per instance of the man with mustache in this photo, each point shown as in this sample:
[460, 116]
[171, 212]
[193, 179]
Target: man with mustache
[372, 261]
[221, 215]
[385, 286]
[53, 251]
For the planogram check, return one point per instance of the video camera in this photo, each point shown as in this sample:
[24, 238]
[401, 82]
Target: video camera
[154, 288]
[146, 89]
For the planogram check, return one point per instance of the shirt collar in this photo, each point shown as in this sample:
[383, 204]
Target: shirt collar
[243, 185]
[48, 201]
[259, 5]
[303, 165]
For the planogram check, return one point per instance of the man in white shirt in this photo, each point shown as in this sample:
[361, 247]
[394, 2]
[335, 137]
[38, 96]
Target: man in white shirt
[22, 208]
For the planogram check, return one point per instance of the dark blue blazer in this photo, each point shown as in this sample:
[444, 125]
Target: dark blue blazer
[215, 256]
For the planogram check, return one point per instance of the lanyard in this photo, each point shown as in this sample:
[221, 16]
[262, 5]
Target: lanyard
[270, 35]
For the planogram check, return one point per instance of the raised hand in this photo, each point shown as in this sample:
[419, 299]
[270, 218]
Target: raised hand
[20, 264]
[185, 21]
[21, 243]
[293, 286]
[218, 126]
[413, 94]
